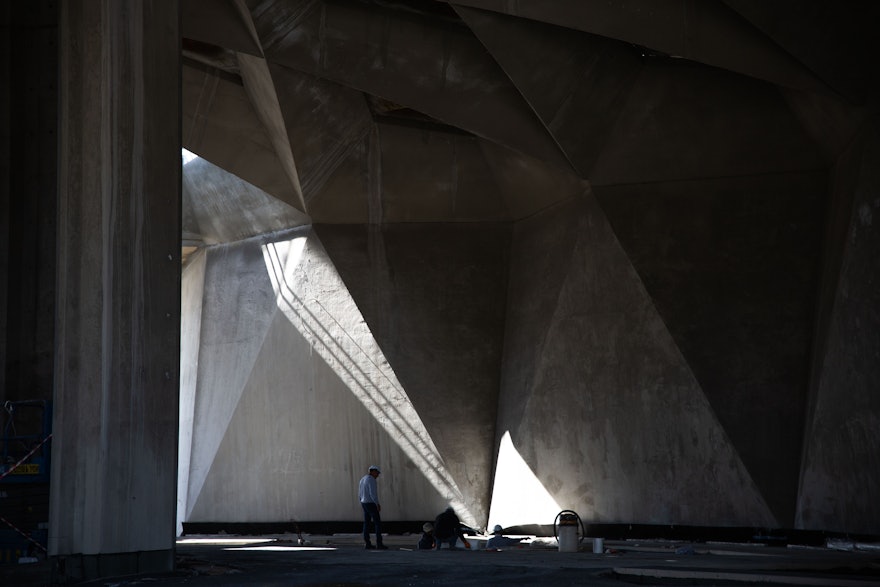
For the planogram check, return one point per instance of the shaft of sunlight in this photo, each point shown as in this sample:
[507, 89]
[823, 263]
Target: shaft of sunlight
[316, 302]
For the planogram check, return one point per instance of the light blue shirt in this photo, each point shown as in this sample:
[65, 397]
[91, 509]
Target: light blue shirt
[368, 490]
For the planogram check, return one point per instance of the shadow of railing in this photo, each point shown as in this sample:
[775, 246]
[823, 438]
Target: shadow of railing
[373, 384]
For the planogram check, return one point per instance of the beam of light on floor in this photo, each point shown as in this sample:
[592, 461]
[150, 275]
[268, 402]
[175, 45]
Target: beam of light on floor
[223, 541]
[518, 497]
[338, 333]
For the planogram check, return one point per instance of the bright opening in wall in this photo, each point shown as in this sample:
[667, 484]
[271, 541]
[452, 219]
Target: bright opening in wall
[188, 157]
[518, 496]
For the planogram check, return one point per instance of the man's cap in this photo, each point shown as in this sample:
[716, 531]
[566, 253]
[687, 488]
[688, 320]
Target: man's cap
[497, 529]
[427, 527]
[375, 468]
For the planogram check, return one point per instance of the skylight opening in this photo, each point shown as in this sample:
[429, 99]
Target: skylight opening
[188, 157]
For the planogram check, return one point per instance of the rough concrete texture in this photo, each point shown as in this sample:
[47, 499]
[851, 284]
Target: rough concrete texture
[459, 178]
[724, 40]
[221, 24]
[443, 330]
[338, 119]
[732, 270]
[234, 321]
[618, 253]
[697, 252]
[116, 383]
[295, 399]
[576, 83]
[843, 432]
[683, 121]
[192, 292]
[586, 377]
[221, 125]
[451, 77]
[219, 207]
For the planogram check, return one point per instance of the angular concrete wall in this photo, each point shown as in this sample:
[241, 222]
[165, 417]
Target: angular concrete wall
[597, 238]
[433, 296]
[191, 295]
[596, 396]
[732, 269]
[709, 132]
[296, 396]
[839, 480]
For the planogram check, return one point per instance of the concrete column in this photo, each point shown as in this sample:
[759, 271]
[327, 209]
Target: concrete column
[118, 302]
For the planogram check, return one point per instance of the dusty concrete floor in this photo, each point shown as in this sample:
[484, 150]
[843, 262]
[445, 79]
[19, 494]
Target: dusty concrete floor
[340, 561]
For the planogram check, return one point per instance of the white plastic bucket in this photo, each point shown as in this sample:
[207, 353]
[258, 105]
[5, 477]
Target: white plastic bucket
[568, 538]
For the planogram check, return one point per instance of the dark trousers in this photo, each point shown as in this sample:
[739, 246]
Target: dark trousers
[371, 512]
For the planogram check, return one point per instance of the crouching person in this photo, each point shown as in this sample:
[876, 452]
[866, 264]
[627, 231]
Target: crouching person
[447, 530]
[426, 542]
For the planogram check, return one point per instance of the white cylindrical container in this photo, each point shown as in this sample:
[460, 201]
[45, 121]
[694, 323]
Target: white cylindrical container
[598, 545]
[568, 535]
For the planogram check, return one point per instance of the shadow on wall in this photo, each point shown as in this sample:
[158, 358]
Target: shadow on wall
[336, 330]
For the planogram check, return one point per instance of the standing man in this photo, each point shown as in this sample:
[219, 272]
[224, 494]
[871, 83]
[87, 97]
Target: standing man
[368, 494]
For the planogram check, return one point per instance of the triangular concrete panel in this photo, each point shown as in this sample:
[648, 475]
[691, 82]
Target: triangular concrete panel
[575, 82]
[236, 317]
[607, 371]
[430, 295]
[298, 443]
[220, 207]
[217, 23]
[684, 121]
[219, 124]
[731, 267]
[410, 173]
[842, 441]
[324, 121]
[332, 351]
[369, 48]
[527, 185]
[706, 32]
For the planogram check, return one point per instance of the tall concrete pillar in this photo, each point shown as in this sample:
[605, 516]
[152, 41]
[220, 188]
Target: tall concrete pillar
[114, 466]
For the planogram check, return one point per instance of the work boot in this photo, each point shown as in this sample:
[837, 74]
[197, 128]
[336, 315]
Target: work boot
[382, 547]
[369, 546]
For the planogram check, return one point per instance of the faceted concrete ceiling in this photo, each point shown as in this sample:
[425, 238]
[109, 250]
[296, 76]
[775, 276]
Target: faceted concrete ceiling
[384, 111]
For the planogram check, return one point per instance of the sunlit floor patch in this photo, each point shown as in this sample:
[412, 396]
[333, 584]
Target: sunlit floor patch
[223, 541]
[278, 548]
